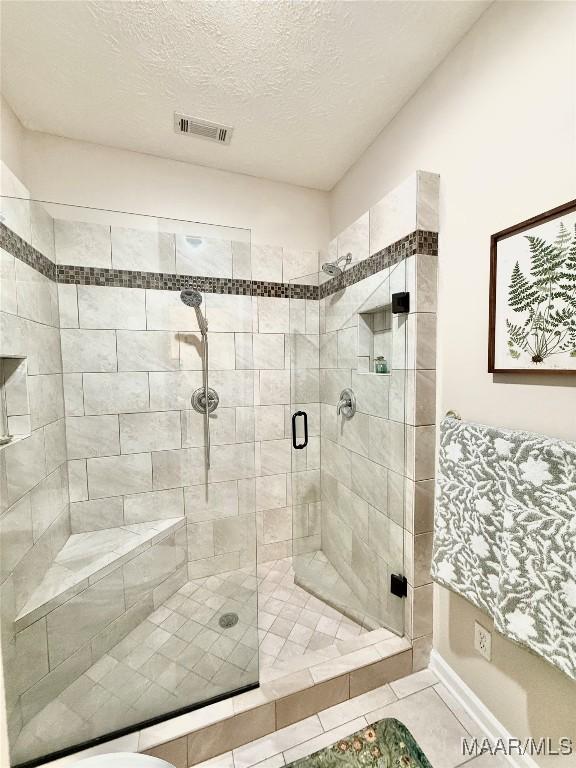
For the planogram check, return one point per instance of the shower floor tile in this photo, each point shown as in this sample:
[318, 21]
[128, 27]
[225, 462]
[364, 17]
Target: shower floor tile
[180, 655]
[292, 622]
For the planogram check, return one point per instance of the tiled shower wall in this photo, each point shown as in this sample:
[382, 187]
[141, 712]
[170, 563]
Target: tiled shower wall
[131, 360]
[34, 516]
[378, 468]
[120, 365]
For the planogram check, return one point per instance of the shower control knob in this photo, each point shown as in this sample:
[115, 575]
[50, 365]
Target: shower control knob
[347, 403]
[198, 400]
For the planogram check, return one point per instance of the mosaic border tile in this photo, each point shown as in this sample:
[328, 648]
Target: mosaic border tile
[127, 278]
[419, 241]
[20, 249]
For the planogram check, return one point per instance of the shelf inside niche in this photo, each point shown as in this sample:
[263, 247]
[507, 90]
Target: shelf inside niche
[374, 339]
[373, 373]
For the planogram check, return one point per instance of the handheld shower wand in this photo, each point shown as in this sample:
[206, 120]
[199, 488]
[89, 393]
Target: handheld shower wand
[204, 397]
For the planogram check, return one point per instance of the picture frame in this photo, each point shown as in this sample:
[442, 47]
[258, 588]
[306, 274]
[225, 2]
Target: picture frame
[532, 301]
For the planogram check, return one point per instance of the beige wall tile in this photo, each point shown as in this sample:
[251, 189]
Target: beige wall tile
[174, 752]
[273, 315]
[25, 463]
[231, 733]
[221, 352]
[422, 611]
[268, 350]
[208, 256]
[420, 452]
[92, 436]
[421, 648]
[308, 702]
[73, 394]
[172, 390]
[209, 502]
[77, 480]
[178, 468]
[116, 393]
[143, 250]
[427, 201]
[274, 387]
[267, 263]
[148, 351]
[153, 505]
[88, 351]
[16, 536]
[422, 544]
[298, 264]
[355, 239]
[165, 312]
[374, 675]
[394, 216]
[102, 307]
[81, 243]
[271, 492]
[229, 313]
[157, 431]
[118, 475]
[68, 305]
[96, 514]
[421, 341]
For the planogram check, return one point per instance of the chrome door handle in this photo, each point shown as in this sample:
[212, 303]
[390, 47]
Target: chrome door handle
[347, 404]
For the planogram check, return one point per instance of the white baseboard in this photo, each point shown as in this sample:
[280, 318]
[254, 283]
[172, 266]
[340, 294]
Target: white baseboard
[478, 711]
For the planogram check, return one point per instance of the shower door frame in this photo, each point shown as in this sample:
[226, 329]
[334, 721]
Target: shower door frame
[390, 280]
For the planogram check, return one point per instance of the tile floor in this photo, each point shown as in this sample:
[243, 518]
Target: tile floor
[292, 622]
[420, 701]
[317, 574]
[180, 655]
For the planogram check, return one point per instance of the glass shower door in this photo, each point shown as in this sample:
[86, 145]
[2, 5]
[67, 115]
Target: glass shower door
[348, 382]
[129, 590]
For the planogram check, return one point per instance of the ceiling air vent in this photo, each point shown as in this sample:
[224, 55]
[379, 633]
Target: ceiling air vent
[203, 129]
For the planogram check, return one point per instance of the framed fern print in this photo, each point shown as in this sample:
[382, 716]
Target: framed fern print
[532, 325]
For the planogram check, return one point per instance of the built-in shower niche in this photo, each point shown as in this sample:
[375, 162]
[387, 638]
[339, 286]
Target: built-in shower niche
[14, 403]
[374, 339]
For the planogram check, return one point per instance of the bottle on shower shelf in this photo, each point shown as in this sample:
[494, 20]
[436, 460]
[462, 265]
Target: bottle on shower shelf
[381, 365]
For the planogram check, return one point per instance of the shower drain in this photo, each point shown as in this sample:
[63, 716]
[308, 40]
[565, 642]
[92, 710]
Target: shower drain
[228, 620]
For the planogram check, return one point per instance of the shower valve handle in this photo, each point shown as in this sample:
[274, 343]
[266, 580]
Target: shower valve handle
[347, 404]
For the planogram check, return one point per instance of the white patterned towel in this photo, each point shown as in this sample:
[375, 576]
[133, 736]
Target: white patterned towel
[505, 533]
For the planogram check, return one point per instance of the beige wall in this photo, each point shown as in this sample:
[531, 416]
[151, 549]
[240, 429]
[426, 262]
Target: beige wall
[496, 120]
[11, 143]
[67, 171]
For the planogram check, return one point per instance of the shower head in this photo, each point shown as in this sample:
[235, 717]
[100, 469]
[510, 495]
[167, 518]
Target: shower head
[193, 299]
[332, 268]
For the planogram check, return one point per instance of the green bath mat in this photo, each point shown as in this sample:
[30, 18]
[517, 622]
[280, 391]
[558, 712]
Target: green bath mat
[385, 744]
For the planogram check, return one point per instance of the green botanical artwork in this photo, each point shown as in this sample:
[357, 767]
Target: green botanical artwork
[544, 298]
[385, 744]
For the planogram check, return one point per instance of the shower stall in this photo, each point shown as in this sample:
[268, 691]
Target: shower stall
[212, 463]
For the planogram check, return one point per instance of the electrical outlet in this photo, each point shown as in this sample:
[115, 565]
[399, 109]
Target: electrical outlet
[483, 641]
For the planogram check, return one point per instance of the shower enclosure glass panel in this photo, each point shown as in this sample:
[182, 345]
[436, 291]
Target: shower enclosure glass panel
[128, 574]
[348, 375]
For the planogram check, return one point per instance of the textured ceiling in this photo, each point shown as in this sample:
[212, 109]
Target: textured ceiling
[306, 85]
